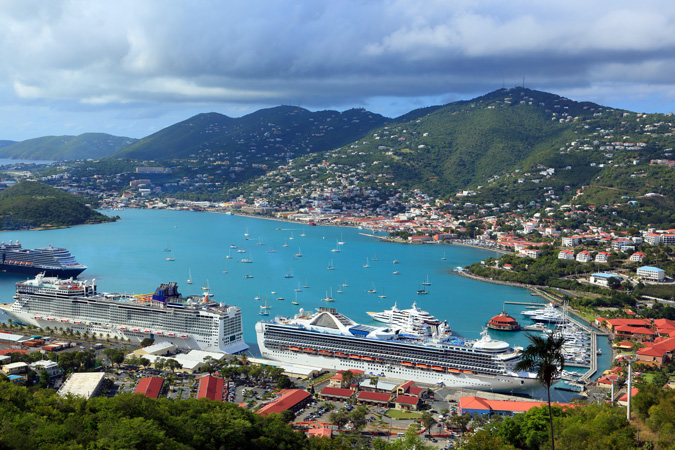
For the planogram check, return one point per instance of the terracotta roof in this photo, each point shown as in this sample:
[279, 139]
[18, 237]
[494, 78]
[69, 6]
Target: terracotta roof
[149, 386]
[320, 432]
[211, 387]
[374, 396]
[287, 399]
[635, 330]
[407, 399]
[336, 392]
[624, 397]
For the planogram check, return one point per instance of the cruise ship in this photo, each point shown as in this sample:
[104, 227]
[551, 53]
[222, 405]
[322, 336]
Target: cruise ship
[195, 322]
[52, 261]
[329, 340]
[413, 322]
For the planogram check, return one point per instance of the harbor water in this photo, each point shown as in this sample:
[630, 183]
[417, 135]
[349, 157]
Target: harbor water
[289, 262]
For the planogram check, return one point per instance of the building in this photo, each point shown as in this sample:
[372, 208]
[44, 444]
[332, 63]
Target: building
[212, 388]
[379, 386]
[407, 403]
[571, 241]
[335, 394]
[158, 349]
[566, 254]
[485, 407]
[584, 256]
[651, 273]
[637, 257]
[85, 385]
[603, 279]
[149, 386]
[51, 367]
[601, 257]
[659, 353]
[15, 368]
[288, 400]
[623, 400]
[381, 399]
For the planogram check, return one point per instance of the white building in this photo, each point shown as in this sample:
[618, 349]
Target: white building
[651, 273]
[566, 254]
[51, 367]
[584, 257]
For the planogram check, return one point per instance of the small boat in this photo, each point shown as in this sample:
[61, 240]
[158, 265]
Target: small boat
[288, 275]
[241, 250]
[189, 280]
[263, 311]
[303, 233]
[396, 261]
[167, 249]
[372, 291]
[306, 285]
[330, 266]
[345, 284]
[246, 234]
[248, 276]
[170, 258]
[206, 288]
[299, 254]
[336, 249]
[246, 261]
[341, 241]
[339, 291]
[329, 298]
[366, 265]
[257, 297]
[229, 255]
[295, 302]
[285, 244]
[280, 298]
[382, 295]
[375, 258]
[426, 283]
[396, 272]
[423, 291]
[443, 258]
[233, 246]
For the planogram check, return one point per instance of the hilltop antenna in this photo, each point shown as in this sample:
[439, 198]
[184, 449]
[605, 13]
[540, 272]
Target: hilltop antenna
[523, 82]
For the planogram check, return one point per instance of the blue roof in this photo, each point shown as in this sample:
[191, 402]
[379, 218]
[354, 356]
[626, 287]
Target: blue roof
[605, 275]
[650, 268]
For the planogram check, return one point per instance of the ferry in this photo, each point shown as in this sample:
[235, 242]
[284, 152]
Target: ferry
[195, 322]
[483, 364]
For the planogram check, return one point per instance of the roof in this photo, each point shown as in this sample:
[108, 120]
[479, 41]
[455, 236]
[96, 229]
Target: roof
[336, 392]
[287, 399]
[81, 384]
[479, 403]
[650, 268]
[211, 387]
[374, 396]
[635, 330]
[149, 386]
[604, 275]
[9, 351]
[320, 432]
[160, 347]
[407, 399]
[624, 397]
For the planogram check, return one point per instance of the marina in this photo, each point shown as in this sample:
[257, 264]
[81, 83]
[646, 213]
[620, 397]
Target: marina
[124, 257]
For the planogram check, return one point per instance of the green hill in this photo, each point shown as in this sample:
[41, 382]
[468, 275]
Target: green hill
[59, 148]
[279, 133]
[32, 205]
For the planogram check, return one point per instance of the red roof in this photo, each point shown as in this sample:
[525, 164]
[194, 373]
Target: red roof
[374, 396]
[211, 387]
[406, 385]
[624, 397]
[320, 432]
[415, 390]
[634, 330]
[479, 403]
[336, 392]
[7, 351]
[287, 399]
[407, 399]
[629, 322]
[150, 386]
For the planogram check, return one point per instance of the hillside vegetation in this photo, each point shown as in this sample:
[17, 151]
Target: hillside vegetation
[32, 205]
[60, 148]
[280, 132]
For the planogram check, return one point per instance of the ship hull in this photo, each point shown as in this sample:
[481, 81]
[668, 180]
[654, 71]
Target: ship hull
[501, 383]
[34, 270]
[121, 332]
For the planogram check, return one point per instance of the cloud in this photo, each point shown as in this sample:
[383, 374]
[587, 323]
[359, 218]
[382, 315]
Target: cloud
[240, 55]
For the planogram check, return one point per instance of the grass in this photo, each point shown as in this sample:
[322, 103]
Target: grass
[395, 414]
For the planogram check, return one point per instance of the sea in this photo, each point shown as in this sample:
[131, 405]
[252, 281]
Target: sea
[288, 262]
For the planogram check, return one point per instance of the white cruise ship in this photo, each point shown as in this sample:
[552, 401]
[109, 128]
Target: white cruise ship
[329, 340]
[413, 322]
[196, 322]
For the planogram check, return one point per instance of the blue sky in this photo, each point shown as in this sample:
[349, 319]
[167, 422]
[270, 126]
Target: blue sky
[131, 68]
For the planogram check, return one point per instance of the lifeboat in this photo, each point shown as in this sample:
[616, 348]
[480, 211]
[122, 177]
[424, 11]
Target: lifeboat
[37, 317]
[438, 368]
[123, 328]
[50, 318]
[454, 370]
[64, 320]
[183, 335]
[146, 331]
[367, 358]
[135, 329]
[77, 322]
[297, 349]
[423, 366]
[467, 371]
[341, 355]
[325, 352]
[405, 363]
[311, 350]
[170, 334]
[355, 356]
[158, 332]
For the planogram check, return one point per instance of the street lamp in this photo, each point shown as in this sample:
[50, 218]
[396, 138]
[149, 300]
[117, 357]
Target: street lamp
[630, 359]
[613, 379]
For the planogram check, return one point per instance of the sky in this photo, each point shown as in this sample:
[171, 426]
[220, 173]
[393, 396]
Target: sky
[131, 68]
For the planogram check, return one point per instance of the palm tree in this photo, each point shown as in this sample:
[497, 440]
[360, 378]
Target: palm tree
[544, 357]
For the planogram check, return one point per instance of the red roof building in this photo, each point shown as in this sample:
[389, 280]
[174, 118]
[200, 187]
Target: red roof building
[657, 353]
[320, 432]
[503, 322]
[407, 402]
[288, 400]
[149, 386]
[333, 393]
[212, 388]
[378, 398]
[482, 406]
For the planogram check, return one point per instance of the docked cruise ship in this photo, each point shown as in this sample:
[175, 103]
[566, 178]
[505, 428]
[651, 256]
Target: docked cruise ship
[330, 340]
[52, 261]
[195, 322]
[414, 322]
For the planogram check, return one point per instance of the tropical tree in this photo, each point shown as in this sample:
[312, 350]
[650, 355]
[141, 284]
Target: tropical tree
[545, 358]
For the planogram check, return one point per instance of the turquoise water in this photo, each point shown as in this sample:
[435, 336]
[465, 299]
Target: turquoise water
[129, 256]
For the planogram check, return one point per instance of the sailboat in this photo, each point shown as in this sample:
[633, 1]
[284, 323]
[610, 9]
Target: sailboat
[285, 243]
[339, 291]
[257, 297]
[443, 258]
[341, 241]
[423, 290]
[426, 283]
[246, 234]
[167, 249]
[372, 291]
[261, 241]
[264, 309]
[295, 302]
[306, 285]
[366, 265]
[170, 258]
[272, 250]
[382, 295]
[330, 266]
[328, 298]
[337, 248]
[229, 254]
[303, 233]
[375, 258]
[206, 288]
[299, 254]
[345, 284]
[189, 280]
